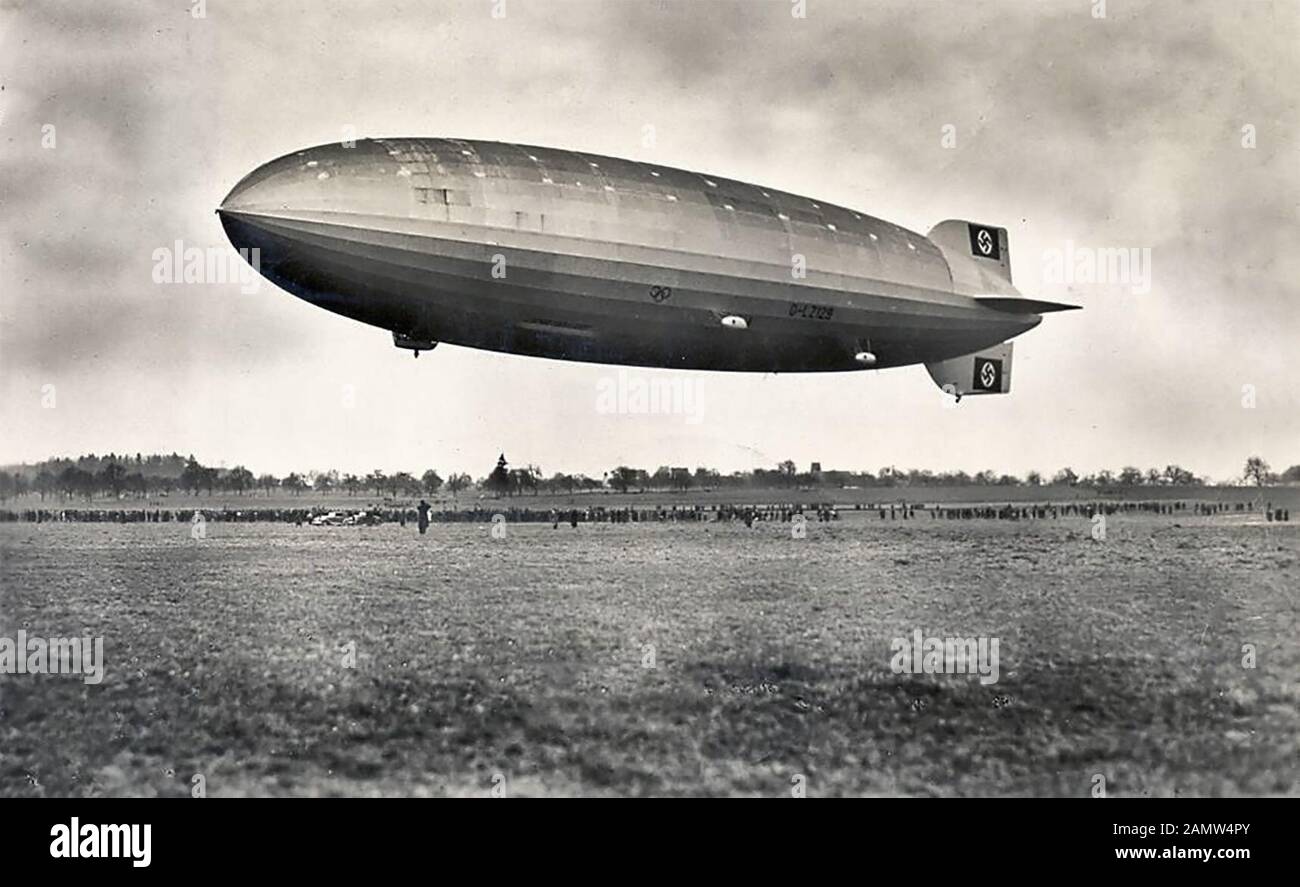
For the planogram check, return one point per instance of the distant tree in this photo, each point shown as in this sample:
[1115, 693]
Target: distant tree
[431, 482]
[1257, 470]
[1034, 479]
[458, 482]
[46, 484]
[294, 483]
[1154, 477]
[239, 479]
[351, 483]
[920, 477]
[1178, 476]
[622, 478]
[111, 477]
[1130, 476]
[268, 482]
[498, 482]
[662, 479]
[788, 470]
[705, 477]
[377, 481]
[526, 478]
[1065, 476]
[403, 482]
[326, 481]
[66, 482]
[193, 476]
[562, 483]
[1291, 475]
[74, 481]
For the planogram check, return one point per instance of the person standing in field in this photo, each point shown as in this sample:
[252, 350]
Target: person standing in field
[424, 516]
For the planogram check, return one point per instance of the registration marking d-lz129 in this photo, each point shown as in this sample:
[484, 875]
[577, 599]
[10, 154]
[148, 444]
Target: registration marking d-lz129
[810, 311]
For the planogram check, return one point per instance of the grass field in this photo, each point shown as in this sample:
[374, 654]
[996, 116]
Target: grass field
[526, 657]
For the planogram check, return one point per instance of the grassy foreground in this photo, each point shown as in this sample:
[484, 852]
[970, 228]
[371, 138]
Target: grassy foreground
[655, 659]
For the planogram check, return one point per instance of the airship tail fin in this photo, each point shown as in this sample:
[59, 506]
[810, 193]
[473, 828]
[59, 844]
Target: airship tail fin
[984, 372]
[1013, 305]
[978, 257]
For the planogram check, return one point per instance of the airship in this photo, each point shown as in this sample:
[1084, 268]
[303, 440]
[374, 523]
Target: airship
[575, 256]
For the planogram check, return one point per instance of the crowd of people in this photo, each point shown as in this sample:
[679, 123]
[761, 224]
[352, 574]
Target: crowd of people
[423, 514]
[1031, 511]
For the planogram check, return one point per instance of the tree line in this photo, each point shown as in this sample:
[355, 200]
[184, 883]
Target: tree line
[119, 477]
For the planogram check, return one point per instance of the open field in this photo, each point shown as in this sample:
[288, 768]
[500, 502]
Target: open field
[526, 656]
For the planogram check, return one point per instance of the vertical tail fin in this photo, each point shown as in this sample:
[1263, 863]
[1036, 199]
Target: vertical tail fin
[984, 372]
[977, 255]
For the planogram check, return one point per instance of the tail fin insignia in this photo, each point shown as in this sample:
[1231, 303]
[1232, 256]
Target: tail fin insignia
[984, 242]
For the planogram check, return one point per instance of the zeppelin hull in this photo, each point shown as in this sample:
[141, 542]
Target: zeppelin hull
[602, 310]
[500, 272]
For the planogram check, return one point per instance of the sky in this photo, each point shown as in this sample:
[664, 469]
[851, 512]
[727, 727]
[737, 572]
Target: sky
[1168, 127]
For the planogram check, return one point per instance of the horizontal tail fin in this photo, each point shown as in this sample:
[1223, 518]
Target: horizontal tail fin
[984, 372]
[1013, 305]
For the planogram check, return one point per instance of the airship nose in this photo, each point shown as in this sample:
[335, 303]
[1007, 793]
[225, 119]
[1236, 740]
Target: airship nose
[292, 182]
[260, 212]
[310, 191]
[334, 178]
[295, 219]
[283, 189]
